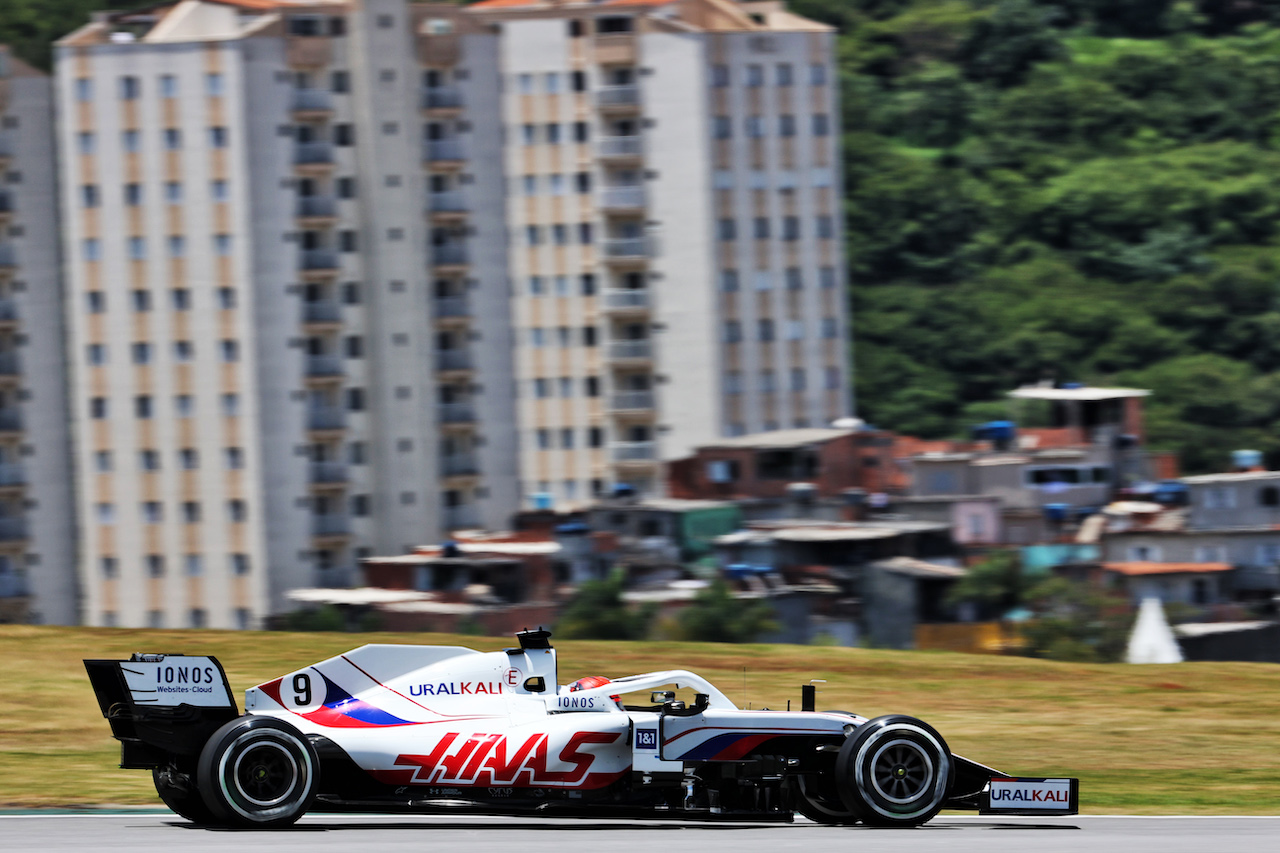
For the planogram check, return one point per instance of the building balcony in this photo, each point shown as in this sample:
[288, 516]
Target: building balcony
[331, 526]
[618, 98]
[622, 198]
[13, 529]
[324, 313]
[6, 206]
[641, 452]
[630, 350]
[324, 367]
[457, 413]
[626, 249]
[13, 586]
[440, 98]
[313, 156]
[449, 255]
[452, 308]
[317, 209]
[311, 104]
[619, 301]
[449, 202]
[443, 151]
[12, 474]
[619, 148]
[632, 401]
[463, 517]
[460, 465]
[454, 359]
[319, 263]
[8, 257]
[9, 365]
[8, 310]
[326, 418]
[328, 474]
[10, 419]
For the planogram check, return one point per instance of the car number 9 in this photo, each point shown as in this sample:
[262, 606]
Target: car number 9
[303, 691]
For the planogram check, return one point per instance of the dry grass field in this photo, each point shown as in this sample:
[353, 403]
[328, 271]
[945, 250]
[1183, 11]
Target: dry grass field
[1191, 738]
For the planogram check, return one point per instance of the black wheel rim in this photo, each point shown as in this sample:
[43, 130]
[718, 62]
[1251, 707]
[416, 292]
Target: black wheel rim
[902, 772]
[265, 774]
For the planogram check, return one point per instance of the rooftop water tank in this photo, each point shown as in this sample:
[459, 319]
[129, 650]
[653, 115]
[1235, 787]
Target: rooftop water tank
[1243, 460]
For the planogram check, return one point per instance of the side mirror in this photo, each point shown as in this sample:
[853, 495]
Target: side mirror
[535, 684]
[661, 697]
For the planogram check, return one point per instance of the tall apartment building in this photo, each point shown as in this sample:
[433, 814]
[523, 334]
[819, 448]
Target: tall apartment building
[37, 554]
[342, 277]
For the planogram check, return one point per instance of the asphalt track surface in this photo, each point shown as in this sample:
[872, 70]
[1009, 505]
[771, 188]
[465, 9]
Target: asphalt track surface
[151, 831]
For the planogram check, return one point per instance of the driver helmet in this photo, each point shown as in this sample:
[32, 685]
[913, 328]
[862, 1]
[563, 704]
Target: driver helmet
[594, 681]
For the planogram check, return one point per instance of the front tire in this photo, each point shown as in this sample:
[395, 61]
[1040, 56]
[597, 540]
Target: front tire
[894, 771]
[817, 799]
[258, 772]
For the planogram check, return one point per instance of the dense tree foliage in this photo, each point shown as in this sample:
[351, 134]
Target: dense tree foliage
[716, 615]
[1078, 190]
[597, 612]
[30, 27]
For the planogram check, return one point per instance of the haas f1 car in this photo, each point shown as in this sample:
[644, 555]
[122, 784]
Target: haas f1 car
[424, 729]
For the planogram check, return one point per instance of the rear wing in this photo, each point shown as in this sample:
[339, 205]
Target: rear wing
[161, 707]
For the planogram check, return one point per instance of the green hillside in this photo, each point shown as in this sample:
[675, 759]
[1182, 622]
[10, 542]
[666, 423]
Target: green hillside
[1079, 190]
[1191, 738]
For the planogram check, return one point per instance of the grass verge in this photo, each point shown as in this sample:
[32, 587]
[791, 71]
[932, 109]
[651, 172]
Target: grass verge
[1197, 738]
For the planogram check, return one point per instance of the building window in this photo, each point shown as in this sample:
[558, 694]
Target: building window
[234, 457]
[86, 142]
[84, 89]
[543, 439]
[755, 127]
[760, 228]
[177, 245]
[719, 76]
[827, 277]
[98, 408]
[92, 249]
[821, 124]
[172, 139]
[155, 566]
[727, 229]
[729, 280]
[755, 75]
[152, 512]
[142, 406]
[110, 568]
[96, 301]
[237, 511]
[188, 459]
[613, 24]
[213, 84]
[190, 512]
[791, 228]
[102, 461]
[797, 379]
[355, 399]
[230, 350]
[784, 74]
[181, 299]
[732, 331]
[106, 513]
[129, 88]
[830, 327]
[581, 131]
[721, 127]
[786, 125]
[89, 196]
[129, 141]
[141, 351]
[96, 354]
[765, 329]
[184, 405]
[172, 192]
[817, 74]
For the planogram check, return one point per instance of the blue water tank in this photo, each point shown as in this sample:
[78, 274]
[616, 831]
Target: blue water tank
[1245, 459]
[542, 500]
[1056, 513]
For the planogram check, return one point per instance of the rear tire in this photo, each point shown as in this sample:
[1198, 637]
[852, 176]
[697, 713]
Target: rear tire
[894, 771]
[259, 772]
[184, 801]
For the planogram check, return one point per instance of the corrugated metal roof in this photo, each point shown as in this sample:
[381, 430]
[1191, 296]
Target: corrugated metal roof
[1087, 394]
[780, 439]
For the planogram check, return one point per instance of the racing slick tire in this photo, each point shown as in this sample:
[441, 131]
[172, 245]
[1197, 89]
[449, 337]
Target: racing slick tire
[258, 772]
[894, 771]
[181, 799]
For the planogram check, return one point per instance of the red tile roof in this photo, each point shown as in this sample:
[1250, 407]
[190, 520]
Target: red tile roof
[1138, 568]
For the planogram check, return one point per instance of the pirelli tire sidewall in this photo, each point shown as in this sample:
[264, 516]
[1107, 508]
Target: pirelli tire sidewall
[258, 772]
[895, 771]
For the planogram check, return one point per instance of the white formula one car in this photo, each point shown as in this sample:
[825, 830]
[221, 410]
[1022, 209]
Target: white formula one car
[422, 729]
